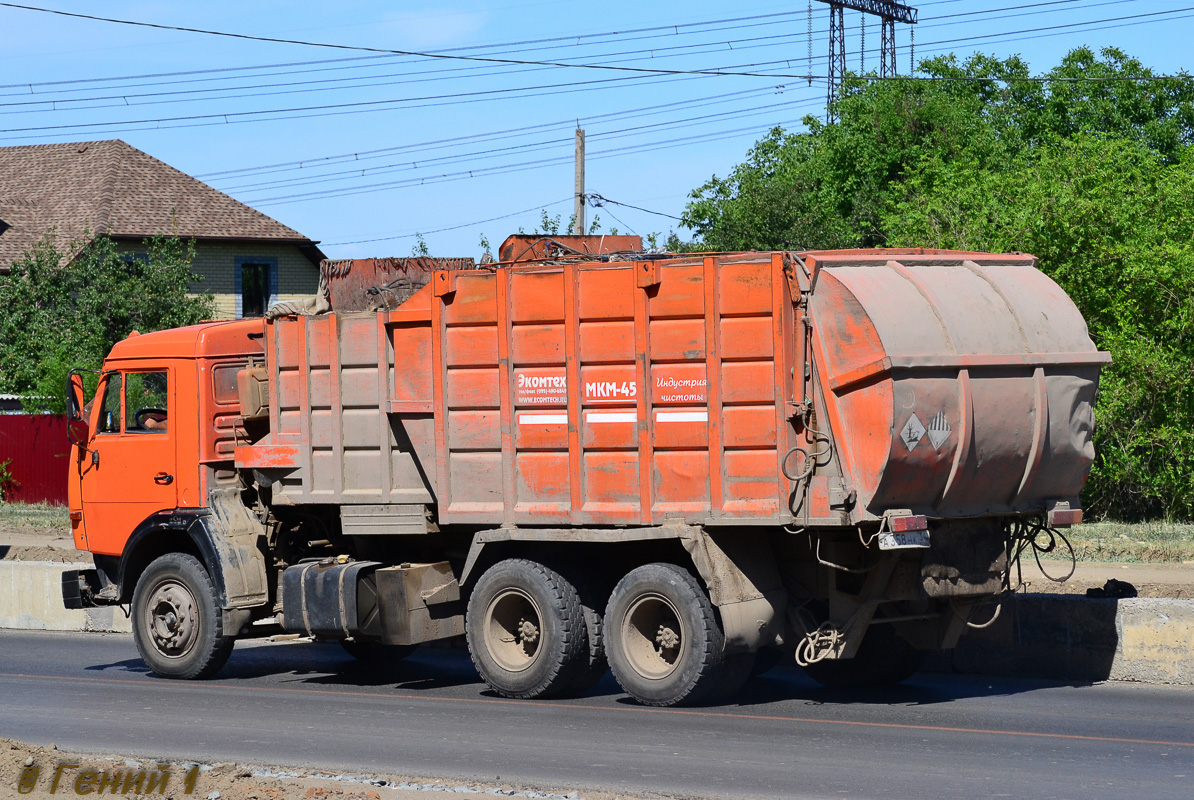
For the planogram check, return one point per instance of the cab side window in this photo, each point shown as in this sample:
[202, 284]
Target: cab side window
[145, 402]
[109, 421]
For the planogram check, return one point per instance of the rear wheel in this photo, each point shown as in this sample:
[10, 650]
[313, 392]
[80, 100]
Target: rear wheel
[592, 606]
[883, 659]
[736, 670]
[526, 630]
[664, 643]
[177, 623]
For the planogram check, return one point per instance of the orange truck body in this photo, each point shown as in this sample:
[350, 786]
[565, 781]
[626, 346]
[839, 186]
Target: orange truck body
[636, 392]
[574, 395]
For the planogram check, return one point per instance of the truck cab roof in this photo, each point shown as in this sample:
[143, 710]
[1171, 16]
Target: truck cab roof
[206, 340]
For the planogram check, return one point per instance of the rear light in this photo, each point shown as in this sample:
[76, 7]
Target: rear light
[1063, 516]
[911, 522]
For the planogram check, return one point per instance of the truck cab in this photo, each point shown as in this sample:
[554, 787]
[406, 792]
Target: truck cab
[148, 451]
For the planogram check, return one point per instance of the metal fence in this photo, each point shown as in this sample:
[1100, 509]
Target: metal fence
[36, 451]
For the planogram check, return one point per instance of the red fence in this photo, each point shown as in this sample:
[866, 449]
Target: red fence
[39, 450]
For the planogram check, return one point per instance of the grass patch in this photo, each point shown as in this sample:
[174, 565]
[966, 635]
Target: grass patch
[34, 515]
[1143, 543]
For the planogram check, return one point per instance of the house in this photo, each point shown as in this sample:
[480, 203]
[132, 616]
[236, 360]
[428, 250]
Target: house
[247, 260]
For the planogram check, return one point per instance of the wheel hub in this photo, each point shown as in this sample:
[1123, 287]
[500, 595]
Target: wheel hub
[513, 630]
[528, 631]
[173, 619]
[652, 635]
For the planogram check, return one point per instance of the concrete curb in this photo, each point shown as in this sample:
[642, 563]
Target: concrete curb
[1062, 637]
[31, 599]
[1071, 637]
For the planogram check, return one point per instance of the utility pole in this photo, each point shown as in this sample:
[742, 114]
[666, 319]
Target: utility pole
[889, 13]
[578, 203]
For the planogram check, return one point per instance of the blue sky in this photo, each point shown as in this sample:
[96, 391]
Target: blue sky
[360, 150]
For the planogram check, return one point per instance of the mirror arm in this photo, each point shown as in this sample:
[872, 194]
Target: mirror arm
[74, 407]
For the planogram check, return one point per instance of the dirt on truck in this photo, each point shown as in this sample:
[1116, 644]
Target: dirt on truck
[582, 454]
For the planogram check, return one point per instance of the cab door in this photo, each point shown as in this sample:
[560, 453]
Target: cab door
[131, 470]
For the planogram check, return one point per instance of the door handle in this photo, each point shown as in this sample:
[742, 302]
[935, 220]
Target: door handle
[163, 479]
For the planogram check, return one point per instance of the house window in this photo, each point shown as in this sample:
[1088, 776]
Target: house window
[256, 285]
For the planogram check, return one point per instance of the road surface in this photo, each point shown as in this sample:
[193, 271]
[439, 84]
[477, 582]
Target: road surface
[310, 705]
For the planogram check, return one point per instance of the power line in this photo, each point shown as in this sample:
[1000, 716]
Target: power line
[454, 98]
[375, 80]
[504, 133]
[471, 58]
[568, 38]
[229, 117]
[452, 227]
[387, 51]
[222, 119]
[518, 166]
[427, 162]
[388, 105]
[599, 202]
[125, 98]
[656, 53]
[307, 163]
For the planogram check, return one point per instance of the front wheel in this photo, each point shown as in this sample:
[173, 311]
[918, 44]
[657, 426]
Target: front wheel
[177, 623]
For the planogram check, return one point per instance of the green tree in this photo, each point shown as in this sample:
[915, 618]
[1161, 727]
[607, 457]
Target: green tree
[1092, 176]
[1110, 220]
[65, 307]
[826, 187]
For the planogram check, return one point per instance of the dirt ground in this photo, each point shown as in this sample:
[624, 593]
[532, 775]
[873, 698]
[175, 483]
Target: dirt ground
[1150, 580]
[37, 533]
[29, 771]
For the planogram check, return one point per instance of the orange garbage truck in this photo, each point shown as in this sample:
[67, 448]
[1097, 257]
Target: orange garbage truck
[583, 455]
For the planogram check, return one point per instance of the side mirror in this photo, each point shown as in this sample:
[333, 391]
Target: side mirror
[76, 426]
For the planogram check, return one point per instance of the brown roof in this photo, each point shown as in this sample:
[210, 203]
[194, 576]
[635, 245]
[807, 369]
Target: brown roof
[112, 187]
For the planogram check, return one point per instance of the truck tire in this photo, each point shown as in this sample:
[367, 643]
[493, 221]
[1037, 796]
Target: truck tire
[736, 670]
[592, 605]
[662, 637]
[376, 653]
[526, 630]
[883, 659]
[177, 623]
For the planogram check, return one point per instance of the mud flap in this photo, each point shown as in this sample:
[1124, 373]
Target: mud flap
[744, 584]
[79, 587]
[232, 533]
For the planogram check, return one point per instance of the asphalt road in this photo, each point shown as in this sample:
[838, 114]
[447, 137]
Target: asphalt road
[311, 705]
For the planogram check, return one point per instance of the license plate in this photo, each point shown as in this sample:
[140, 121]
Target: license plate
[898, 541]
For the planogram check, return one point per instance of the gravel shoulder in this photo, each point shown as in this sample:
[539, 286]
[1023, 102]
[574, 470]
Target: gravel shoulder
[29, 771]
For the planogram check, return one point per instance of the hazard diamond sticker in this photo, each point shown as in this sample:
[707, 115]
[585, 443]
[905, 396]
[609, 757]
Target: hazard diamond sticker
[912, 432]
[939, 430]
